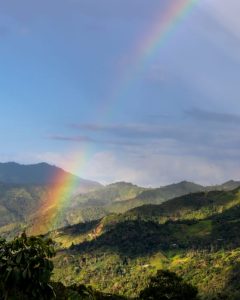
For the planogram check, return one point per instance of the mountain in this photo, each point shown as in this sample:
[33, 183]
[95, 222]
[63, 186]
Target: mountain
[41, 174]
[173, 190]
[162, 194]
[192, 206]
[115, 192]
[199, 240]
[120, 197]
[195, 235]
[196, 206]
[24, 188]
[20, 203]
[156, 196]
[226, 186]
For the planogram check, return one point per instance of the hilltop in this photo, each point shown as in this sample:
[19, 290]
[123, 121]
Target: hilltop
[41, 174]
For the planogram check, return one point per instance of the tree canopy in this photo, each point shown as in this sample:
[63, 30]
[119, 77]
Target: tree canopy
[167, 285]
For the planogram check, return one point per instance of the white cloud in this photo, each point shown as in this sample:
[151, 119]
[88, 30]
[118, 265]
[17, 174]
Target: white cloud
[147, 166]
[156, 169]
[106, 167]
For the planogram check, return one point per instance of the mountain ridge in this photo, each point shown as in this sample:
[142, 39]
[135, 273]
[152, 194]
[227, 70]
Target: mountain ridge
[39, 174]
[19, 202]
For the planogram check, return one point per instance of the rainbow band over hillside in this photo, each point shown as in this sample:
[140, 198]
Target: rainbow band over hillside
[57, 199]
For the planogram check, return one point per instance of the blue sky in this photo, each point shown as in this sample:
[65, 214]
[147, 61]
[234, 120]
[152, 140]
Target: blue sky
[64, 97]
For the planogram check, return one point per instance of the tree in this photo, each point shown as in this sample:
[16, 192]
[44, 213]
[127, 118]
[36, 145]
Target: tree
[167, 285]
[26, 268]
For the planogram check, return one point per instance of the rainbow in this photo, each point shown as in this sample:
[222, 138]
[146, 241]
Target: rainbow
[146, 50]
[164, 26]
[57, 196]
[57, 199]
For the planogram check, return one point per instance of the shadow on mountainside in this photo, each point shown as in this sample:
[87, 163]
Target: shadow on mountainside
[139, 237]
[75, 230]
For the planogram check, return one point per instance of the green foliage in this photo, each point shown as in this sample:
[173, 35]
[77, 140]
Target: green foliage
[127, 251]
[85, 214]
[81, 292]
[166, 285]
[196, 236]
[26, 268]
[19, 203]
[192, 206]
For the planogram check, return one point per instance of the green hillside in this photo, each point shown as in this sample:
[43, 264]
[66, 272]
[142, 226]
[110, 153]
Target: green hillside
[192, 206]
[199, 241]
[119, 191]
[121, 197]
[19, 204]
[195, 235]
[19, 201]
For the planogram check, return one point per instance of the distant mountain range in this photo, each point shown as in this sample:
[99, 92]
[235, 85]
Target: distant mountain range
[23, 188]
[121, 197]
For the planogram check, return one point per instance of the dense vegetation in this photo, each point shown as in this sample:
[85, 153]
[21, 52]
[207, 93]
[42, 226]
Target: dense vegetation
[196, 236]
[167, 285]
[26, 269]
[20, 203]
[113, 255]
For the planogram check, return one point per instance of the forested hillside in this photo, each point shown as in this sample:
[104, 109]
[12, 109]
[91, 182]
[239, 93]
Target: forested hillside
[196, 236]
[20, 204]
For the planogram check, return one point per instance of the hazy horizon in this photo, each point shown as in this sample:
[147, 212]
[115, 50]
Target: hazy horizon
[119, 181]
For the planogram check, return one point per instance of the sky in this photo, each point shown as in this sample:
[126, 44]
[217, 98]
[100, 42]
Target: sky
[93, 87]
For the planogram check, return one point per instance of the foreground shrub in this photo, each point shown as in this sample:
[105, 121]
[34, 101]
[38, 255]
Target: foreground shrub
[26, 268]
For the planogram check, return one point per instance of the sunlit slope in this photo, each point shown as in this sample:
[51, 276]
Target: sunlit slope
[119, 253]
[191, 206]
[160, 195]
[197, 214]
[22, 205]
